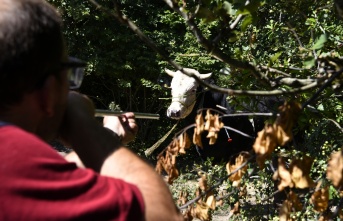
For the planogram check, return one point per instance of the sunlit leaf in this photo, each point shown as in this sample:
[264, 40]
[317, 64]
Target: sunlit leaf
[309, 62]
[275, 57]
[246, 21]
[320, 42]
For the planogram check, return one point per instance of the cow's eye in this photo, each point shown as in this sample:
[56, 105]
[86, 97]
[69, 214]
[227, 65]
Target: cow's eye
[194, 90]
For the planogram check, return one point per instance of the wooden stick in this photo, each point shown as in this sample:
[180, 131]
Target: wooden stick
[138, 115]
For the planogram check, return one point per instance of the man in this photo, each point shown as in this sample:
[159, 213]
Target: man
[36, 183]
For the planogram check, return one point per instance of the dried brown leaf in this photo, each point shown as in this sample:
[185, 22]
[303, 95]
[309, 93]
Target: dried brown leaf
[283, 175]
[197, 138]
[334, 171]
[277, 134]
[203, 182]
[211, 200]
[320, 199]
[239, 161]
[184, 143]
[187, 214]
[289, 113]
[199, 124]
[199, 128]
[209, 120]
[174, 147]
[213, 126]
[235, 209]
[220, 202]
[265, 144]
[182, 198]
[159, 165]
[300, 172]
[201, 211]
[292, 203]
[173, 174]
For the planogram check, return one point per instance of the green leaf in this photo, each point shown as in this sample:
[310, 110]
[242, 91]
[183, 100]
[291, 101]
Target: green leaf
[228, 8]
[275, 57]
[250, 8]
[247, 21]
[309, 62]
[310, 21]
[320, 107]
[233, 38]
[320, 42]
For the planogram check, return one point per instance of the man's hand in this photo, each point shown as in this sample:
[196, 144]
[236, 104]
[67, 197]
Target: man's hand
[125, 126]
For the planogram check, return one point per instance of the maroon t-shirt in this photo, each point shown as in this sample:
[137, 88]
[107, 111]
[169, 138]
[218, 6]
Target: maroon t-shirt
[36, 183]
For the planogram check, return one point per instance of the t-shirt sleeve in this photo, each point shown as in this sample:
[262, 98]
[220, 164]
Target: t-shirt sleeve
[38, 184]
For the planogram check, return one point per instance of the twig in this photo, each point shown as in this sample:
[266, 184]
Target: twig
[239, 132]
[239, 17]
[326, 84]
[337, 125]
[274, 70]
[295, 34]
[234, 24]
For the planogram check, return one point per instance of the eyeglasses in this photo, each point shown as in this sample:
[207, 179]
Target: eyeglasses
[76, 71]
[75, 68]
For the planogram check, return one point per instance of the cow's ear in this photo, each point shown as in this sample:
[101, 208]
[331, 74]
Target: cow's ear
[169, 72]
[205, 76]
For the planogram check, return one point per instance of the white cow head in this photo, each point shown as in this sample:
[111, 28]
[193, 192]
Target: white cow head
[183, 92]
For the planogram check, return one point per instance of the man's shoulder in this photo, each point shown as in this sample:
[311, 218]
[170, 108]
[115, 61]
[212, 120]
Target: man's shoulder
[11, 134]
[17, 143]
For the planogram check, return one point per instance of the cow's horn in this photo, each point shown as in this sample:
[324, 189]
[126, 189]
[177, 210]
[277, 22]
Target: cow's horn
[169, 72]
[205, 76]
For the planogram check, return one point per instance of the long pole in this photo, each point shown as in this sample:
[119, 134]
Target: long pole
[138, 115]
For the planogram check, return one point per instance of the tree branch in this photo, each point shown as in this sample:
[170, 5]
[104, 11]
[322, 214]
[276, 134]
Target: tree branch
[325, 85]
[212, 50]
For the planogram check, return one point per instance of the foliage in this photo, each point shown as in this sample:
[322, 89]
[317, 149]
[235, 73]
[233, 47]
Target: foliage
[254, 48]
[121, 69]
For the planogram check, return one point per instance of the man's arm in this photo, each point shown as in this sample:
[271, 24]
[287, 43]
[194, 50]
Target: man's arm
[100, 149]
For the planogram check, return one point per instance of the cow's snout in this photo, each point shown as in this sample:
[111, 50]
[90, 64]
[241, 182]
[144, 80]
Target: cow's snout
[172, 113]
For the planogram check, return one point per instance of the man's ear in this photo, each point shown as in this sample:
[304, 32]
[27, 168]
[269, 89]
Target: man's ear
[47, 95]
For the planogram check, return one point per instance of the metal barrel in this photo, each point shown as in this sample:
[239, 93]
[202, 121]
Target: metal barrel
[138, 115]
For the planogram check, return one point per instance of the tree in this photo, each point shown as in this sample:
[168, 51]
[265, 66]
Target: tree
[268, 47]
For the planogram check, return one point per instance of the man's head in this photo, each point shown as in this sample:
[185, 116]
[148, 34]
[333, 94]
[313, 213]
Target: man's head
[31, 44]
[34, 68]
